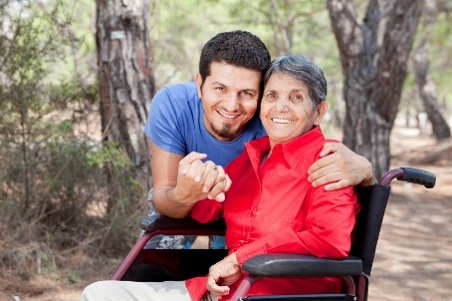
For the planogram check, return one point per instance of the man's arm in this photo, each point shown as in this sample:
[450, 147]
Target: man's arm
[179, 182]
[340, 167]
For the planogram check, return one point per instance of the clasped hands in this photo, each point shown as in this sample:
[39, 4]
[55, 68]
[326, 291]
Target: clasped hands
[197, 180]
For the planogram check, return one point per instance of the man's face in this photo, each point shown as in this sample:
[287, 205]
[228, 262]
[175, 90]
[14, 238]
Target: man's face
[229, 98]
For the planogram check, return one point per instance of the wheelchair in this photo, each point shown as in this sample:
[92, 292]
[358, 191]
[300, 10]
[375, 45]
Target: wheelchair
[153, 265]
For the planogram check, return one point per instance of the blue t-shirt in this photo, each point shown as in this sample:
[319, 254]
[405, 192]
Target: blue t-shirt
[175, 124]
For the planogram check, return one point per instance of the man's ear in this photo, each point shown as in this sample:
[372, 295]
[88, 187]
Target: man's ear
[199, 83]
[321, 111]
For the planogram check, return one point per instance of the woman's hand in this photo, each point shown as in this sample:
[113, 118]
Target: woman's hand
[223, 274]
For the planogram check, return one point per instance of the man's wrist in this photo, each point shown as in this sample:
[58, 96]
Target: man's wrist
[166, 204]
[369, 179]
[181, 204]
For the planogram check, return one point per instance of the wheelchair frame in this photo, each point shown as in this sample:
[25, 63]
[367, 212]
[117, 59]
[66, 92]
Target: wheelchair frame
[355, 270]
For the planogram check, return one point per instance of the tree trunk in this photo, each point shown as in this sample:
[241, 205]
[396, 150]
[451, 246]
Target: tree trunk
[374, 53]
[426, 86]
[125, 77]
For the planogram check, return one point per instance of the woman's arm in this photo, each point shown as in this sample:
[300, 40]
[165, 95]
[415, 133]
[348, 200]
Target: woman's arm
[223, 274]
[326, 231]
[206, 211]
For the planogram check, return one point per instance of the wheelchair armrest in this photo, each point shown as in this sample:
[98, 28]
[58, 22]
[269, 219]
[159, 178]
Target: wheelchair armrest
[157, 222]
[288, 264]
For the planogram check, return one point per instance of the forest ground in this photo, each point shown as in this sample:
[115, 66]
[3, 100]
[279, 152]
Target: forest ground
[414, 254]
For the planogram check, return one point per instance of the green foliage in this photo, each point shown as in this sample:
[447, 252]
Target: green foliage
[72, 277]
[110, 154]
[290, 22]
[176, 56]
[440, 58]
[52, 164]
[306, 24]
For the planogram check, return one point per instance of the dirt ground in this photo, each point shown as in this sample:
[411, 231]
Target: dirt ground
[414, 252]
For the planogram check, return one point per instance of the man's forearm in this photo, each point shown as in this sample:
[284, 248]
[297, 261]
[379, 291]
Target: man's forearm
[169, 204]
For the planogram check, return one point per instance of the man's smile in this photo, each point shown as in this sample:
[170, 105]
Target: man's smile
[228, 116]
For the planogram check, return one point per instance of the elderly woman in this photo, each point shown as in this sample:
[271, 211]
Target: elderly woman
[270, 206]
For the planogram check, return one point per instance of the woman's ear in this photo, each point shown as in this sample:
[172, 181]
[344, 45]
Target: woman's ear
[321, 111]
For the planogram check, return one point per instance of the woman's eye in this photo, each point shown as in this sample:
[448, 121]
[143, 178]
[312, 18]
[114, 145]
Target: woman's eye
[297, 98]
[270, 96]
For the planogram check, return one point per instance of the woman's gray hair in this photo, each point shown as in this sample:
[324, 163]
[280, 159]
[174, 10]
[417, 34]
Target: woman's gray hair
[301, 68]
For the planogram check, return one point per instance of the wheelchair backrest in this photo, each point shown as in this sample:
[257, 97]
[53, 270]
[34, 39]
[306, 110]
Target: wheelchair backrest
[373, 205]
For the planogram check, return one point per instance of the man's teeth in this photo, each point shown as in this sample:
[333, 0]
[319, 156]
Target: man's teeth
[282, 120]
[228, 116]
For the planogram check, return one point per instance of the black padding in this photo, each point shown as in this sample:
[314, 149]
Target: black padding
[157, 222]
[418, 176]
[287, 264]
[369, 224]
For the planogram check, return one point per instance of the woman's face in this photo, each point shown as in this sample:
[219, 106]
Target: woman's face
[287, 111]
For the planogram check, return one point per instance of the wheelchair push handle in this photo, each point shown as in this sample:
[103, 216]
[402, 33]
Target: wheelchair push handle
[409, 174]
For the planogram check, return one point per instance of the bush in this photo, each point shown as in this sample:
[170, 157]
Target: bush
[56, 181]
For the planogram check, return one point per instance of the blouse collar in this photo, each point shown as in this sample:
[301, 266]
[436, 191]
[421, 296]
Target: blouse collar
[291, 150]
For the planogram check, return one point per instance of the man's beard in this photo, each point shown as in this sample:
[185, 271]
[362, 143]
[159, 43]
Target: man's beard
[225, 132]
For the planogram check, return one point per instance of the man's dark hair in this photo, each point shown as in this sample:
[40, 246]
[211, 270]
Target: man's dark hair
[238, 48]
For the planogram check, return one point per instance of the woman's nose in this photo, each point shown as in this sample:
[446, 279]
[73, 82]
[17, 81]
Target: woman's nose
[282, 104]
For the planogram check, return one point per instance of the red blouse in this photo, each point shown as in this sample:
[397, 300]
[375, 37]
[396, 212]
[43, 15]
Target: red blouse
[272, 207]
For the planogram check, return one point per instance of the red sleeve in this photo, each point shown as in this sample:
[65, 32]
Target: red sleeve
[206, 211]
[326, 231]
[209, 210]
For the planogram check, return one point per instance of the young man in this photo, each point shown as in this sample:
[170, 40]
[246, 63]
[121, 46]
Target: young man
[193, 127]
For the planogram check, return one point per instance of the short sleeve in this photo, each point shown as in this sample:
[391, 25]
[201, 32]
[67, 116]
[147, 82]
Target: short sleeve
[163, 127]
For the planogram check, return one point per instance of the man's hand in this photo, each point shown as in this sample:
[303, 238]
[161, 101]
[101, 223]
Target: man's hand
[340, 167]
[198, 180]
[180, 181]
[223, 274]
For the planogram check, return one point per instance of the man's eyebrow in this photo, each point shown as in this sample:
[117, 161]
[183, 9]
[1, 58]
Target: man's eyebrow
[217, 83]
[214, 83]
